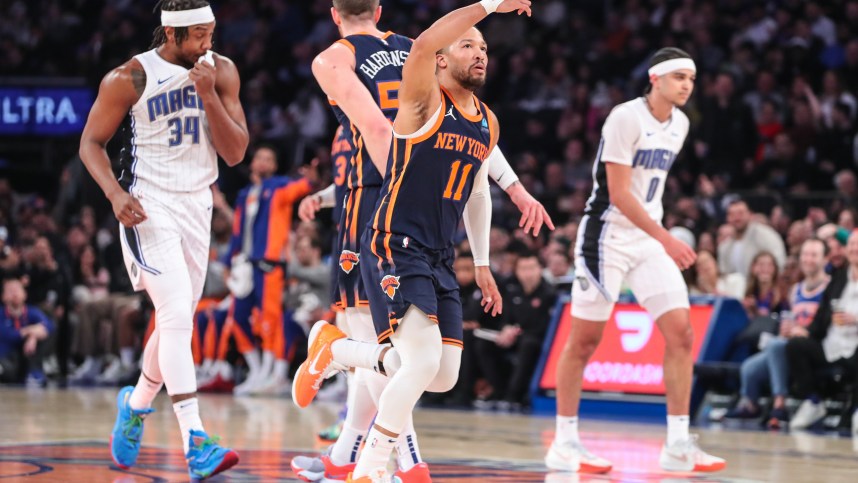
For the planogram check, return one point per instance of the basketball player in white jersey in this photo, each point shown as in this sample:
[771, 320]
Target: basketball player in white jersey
[180, 107]
[621, 239]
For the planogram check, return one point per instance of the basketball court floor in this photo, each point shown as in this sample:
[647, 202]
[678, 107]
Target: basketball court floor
[61, 436]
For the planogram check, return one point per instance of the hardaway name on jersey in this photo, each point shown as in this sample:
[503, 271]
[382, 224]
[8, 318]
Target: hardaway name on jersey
[633, 137]
[378, 65]
[167, 145]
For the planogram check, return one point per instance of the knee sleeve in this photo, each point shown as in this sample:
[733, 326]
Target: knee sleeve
[418, 343]
[448, 372]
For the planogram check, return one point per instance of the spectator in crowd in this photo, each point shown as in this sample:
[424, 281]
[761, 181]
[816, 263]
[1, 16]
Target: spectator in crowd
[835, 237]
[762, 296]
[707, 281]
[530, 300]
[828, 342]
[24, 334]
[769, 367]
[749, 238]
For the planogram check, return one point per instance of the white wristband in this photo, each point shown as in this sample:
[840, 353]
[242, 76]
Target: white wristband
[490, 5]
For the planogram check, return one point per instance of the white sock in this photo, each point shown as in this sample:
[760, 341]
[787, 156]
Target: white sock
[407, 450]
[353, 353]
[224, 369]
[281, 369]
[677, 429]
[188, 414]
[346, 448]
[253, 363]
[126, 356]
[375, 454]
[144, 393]
[361, 411]
[566, 431]
[267, 364]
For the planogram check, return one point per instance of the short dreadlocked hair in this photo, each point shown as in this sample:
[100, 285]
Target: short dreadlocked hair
[159, 37]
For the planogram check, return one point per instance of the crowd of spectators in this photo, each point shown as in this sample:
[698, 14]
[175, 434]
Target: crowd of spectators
[773, 123]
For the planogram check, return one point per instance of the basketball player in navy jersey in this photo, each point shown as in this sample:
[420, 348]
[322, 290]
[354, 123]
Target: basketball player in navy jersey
[621, 239]
[442, 138]
[181, 110]
[376, 59]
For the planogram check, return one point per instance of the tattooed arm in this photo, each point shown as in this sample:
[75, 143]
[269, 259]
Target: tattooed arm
[119, 90]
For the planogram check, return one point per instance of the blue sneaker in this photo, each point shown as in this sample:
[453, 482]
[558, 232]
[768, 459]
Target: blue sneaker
[206, 457]
[128, 430]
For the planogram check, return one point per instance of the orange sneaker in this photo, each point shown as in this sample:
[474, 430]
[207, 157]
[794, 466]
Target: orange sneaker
[378, 475]
[334, 472]
[312, 372]
[418, 473]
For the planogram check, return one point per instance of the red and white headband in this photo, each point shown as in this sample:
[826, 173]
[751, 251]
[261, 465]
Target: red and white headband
[186, 18]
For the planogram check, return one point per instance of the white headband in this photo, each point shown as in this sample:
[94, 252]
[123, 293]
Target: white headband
[186, 18]
[671, 65]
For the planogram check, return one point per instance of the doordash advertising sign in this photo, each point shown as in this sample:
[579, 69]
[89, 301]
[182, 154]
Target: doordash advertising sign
[629, 358]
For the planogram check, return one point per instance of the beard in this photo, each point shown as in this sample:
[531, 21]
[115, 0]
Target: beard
[467, 80]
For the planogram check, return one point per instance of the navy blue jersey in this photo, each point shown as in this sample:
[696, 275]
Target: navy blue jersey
[341, 153]
[378, 64]
[431, 176]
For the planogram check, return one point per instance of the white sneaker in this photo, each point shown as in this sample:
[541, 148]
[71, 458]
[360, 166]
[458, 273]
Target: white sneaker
[808, 413]
[111, 374]
[575, 457]
[687, 456]
[248, 386]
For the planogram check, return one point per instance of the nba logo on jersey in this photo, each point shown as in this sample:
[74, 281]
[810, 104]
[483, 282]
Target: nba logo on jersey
[348, 260]
[389, 284]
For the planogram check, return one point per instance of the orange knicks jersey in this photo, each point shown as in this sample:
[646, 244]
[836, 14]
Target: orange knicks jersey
[431, 176]
[378, 65]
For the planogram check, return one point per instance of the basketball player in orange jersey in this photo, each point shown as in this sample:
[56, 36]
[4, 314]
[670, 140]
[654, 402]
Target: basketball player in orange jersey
[180, 108]
[439, 159]
[621, 239]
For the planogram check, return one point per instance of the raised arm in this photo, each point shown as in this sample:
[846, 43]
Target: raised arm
[334, 69]
[419, 93]
[218, 86]
[119, 90]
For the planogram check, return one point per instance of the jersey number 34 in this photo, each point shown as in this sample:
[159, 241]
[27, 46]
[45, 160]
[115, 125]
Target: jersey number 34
[181, 127]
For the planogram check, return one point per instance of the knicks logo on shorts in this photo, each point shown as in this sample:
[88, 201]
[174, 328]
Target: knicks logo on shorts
[389, 284]
[348, 260]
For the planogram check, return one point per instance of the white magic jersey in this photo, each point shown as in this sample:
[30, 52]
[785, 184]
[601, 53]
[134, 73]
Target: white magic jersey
[167, 145]
[633, 137]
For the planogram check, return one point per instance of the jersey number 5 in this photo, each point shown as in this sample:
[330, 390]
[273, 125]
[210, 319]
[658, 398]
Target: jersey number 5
[388, 94]
[190, 127]
[454, 172]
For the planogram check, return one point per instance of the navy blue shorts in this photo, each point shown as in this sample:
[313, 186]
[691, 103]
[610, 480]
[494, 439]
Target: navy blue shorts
[403, 274]
[358, 210]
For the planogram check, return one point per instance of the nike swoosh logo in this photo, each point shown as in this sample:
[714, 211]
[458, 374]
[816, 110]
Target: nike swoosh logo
[650, 134]
[161, 81]
[313, 370]
[501, 177]
[684, 457]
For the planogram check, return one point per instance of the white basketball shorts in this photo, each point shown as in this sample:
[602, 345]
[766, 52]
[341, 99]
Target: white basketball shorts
[606, 254]
[175, 237]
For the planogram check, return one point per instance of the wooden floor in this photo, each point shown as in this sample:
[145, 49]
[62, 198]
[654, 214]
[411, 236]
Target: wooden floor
[59, 435]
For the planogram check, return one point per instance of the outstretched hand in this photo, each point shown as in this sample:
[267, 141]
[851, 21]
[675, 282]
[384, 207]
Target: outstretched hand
[519, 6]
[533, 214]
